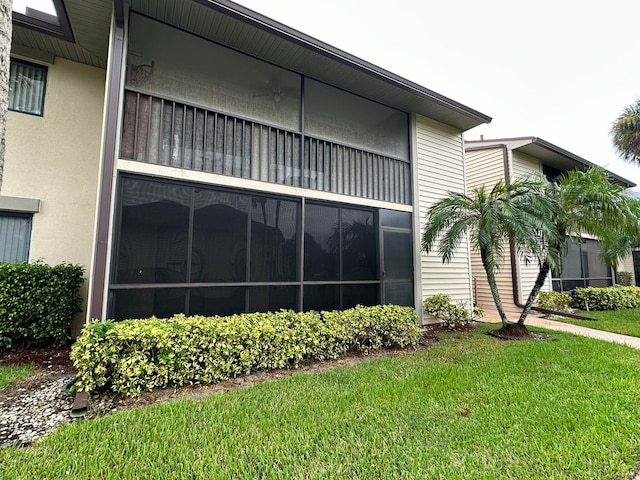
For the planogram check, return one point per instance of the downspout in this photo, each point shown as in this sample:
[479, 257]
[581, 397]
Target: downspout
[98, 283]
[515, 278]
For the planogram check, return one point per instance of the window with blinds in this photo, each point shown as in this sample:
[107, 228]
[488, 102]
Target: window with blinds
[27, 83]
[15, 233]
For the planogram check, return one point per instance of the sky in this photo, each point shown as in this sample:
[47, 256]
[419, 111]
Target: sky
[45, 6]
[561, 70]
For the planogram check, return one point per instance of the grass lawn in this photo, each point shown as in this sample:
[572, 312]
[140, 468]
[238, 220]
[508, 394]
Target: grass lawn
[471, 407]
[11, 373]
[626, 322]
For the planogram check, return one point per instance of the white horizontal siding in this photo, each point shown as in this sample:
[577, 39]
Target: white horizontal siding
[523, 165]
[486, 167]
[626, 265]
[440, 169]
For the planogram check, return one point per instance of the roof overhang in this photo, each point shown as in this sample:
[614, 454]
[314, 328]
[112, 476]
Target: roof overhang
[245, 30]
[548, 153]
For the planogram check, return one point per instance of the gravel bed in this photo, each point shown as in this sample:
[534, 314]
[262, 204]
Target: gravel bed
[34, 408]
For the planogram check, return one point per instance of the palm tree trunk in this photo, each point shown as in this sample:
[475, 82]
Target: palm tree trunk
[493, 286]
[5, 50]
[537, 286]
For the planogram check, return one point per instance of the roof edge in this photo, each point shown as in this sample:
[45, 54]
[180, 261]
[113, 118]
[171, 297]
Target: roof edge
[494, 142]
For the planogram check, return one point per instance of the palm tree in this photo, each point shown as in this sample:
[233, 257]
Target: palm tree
[5, 48]
[626, 133]
[585, 203]
[612, 250]
[509, 213]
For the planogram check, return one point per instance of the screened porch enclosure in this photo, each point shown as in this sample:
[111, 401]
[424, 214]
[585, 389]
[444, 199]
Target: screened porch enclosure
[582, 267]
[255, 120]
[187, 248]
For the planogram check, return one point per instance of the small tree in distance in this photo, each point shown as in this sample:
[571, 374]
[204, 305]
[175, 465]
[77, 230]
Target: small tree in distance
[626, 133]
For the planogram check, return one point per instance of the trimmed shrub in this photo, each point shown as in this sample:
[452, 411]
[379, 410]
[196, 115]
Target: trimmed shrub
[452, 316]
[38, 303]
[132, 356]
[607, 298]
[624, 278]
[554, 301]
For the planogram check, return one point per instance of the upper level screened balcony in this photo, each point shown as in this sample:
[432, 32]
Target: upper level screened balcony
[170, 133]
[254, 120]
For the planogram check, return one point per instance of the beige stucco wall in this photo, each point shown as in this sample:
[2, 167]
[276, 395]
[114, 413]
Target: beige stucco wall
[55, 158]
[440, 169]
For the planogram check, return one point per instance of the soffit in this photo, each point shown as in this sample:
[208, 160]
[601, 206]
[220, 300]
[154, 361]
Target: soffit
[564, 160]
[90, 22]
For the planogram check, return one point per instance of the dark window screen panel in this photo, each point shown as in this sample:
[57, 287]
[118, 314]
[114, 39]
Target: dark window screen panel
[572, 262]
[321, 297]
[353, 120]
[274, 239]
[321, 243]
[596, 269]
[273, 298]
[365, 295]
[154, 232]
[359, 245]
[145, 302]
[393, 218]
[599, 282]
[397, 255]
[582, 266]
[398, 293]
[569, 285]
[217, 301]
[219, 237]
[14, 238]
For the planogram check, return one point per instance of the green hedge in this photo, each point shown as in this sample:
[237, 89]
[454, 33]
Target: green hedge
[440, 307]
[38, 303]
[554, 301]
[136, 355]
[608, 298]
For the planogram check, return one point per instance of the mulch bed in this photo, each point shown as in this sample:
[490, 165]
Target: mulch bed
[514, 331]
[44, 358]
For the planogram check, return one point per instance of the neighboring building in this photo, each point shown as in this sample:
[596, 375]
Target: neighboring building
[488, 161]
[199, 157]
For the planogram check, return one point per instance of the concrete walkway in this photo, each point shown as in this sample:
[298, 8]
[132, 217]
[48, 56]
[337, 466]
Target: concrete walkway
[534, 321]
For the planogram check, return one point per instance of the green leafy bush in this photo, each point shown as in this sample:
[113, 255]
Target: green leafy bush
[624, 278]
[554, 301]
[452, 316]
[137, 355]
[38, 303]
[608, 298]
